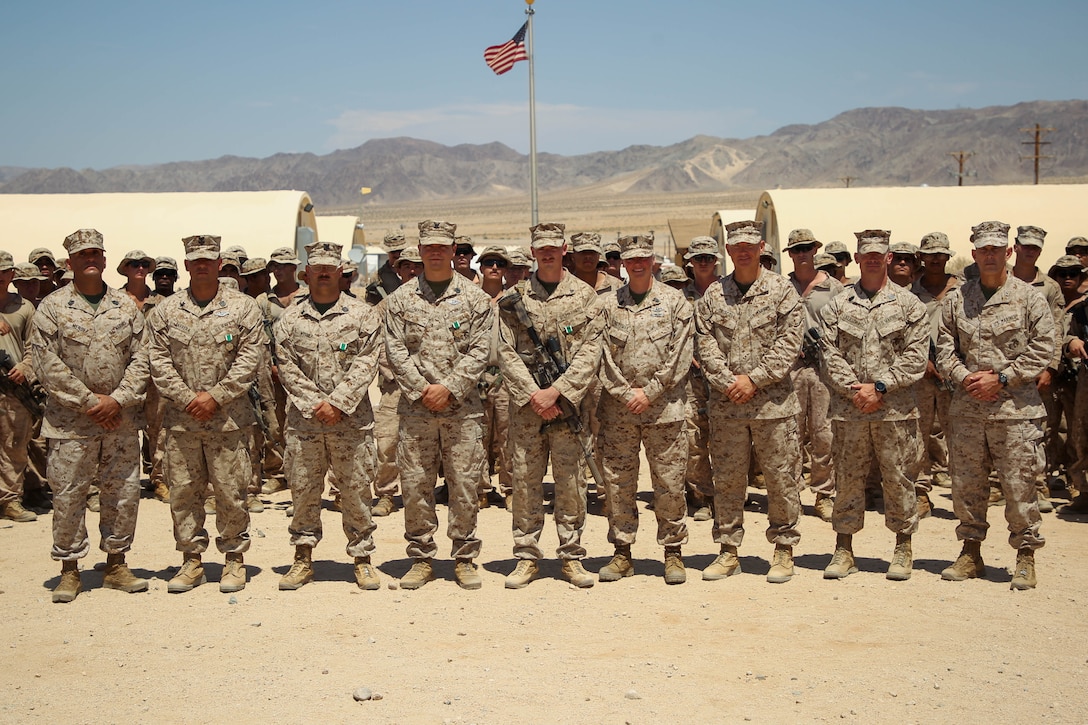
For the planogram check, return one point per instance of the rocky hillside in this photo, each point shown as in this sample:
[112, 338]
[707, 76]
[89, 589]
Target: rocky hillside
[874, 146]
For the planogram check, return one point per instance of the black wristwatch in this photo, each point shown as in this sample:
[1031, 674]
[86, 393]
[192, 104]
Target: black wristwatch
[1003, 379]
[880, 387]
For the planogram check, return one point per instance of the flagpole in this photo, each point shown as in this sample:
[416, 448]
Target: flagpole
[532, 115]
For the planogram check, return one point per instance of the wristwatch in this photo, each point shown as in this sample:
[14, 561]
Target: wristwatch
[1003, 379]
[880, 387]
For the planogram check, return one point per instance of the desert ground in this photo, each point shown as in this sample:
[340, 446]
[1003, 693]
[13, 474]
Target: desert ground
[636, 651]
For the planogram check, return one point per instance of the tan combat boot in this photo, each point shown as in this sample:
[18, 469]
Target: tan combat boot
[162, 491]
[366, 574]
[969, 565]
[420, 573]
[468, 577]
[781, 565]
[1023, 576]
[254, 504]
[674, 566]
[14, 510]
[301, 572]
[619, 567]
[824, 506]
[70, 585]
[576, 574]
[902, 559]
[233, 578]
[524, 572]
[925, 506]
[727, 564]
[483, 501]
[273, 485]
[94, 503]
[842, 561]
[385, 506]
[191, 574]
[118, 576]
[1046, 506]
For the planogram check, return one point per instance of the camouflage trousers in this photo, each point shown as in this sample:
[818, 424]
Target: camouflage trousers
[697, 472]
[455, 442]
[113, 461]
[14, 434]
[893, 446]
[1078, 433]
[192, 460]
[386, 433]
[814, 428]
[589, 411]
[271, 447]
[496, 433]
[933, 403]
[350, 456]
[1060, 402]
[666, 452]
[154, 409]
[530, 450]
[1014, 448]
[776, 447]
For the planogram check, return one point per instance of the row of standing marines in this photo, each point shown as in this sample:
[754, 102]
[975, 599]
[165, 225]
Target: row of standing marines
[578, 373]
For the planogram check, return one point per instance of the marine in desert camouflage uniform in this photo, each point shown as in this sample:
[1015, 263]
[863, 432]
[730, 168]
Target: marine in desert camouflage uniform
[328, 355]
[205, 345]
[437, 333]
[875, 336]
[16, 421]
[564, 308]
[87, 345]
[996, 337]
[748, 335]
[644, 368]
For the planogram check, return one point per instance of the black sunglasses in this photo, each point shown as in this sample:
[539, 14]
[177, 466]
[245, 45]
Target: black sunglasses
[1066, 273]
[802, 249]
[612, 256]
[142, 263]
[704, 259]
[491, 262]
[165, 273]
[463, 251]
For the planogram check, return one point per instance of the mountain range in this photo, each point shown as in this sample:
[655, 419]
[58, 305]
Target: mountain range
[869, 146]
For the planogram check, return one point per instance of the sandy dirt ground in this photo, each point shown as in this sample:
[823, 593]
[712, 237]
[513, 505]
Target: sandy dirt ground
[636, 651]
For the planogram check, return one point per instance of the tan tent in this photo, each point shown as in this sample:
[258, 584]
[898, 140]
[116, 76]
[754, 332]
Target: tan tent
[260, 221]
[911, 212]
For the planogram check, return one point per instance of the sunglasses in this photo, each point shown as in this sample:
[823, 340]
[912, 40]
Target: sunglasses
[704, 259]
[802, 249]
[463, 252]
[500, 263]
[166, 273]
[141, 263]
[613, 256]
[1067, 273]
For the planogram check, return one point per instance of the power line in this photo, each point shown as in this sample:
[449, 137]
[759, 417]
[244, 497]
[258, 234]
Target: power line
[1038, 143]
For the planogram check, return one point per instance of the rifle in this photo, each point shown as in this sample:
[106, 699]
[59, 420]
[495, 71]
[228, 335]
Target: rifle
[32, 398]
[548, 365]
[257, 402]
[941, 382]
[810, 347]
[1080, 316]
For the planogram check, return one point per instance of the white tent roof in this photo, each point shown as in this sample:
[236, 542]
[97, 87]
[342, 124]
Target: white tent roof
[260, 221]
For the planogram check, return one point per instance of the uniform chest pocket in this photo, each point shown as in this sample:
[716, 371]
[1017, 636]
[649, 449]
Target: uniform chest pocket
[725, 323]
[120, 335]
[852, 327]
[1009, 335]
[761, 318]
[415, 324]
[76, 334]
[890, 326]
[226, 337]
[617, 337]
[180, 336]
[345, 343]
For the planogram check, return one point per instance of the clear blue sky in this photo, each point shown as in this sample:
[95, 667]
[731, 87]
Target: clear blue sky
[107, 83]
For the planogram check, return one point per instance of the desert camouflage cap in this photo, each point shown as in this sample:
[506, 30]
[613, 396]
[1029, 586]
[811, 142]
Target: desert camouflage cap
[768, 256]
[744, 232]
[27, 271]
[548, 234]
[237, 251]
[873, 240]
[1030, 236]
[229, 260]
[990, 234]
[253, 265]
[935, 243]
[612, 247]
[1076, 242]
[40, 252]
[799, 237]
[823, 259]
[674, 275]
[410, 254]
[703, 246]
[834, 248]
[437, 232]
[202, 246]
[324, 253]
[83, 239]
[136, 255]
[1066, 261]
[464, 241]
[495, 251]
[284, 255]
[586, 242]
[162, 263]
[903, 248]
[518, 258]
[636, 245]
[394, 242]
[6, 261]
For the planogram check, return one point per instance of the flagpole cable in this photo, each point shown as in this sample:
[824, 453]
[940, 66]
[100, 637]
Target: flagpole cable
[532, 117]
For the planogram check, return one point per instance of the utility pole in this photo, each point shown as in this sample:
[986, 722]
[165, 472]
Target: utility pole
[1038, 143]
[846, 180]
[961, 157]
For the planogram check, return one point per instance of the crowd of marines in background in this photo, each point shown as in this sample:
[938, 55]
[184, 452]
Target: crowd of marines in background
[575, 355]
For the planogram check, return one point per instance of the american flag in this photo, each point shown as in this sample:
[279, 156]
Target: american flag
[501, 58]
